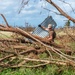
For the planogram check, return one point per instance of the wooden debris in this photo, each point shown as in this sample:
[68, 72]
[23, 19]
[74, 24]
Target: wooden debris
[26, 52]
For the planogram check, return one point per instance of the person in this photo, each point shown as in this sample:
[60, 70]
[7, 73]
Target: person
[52, 33]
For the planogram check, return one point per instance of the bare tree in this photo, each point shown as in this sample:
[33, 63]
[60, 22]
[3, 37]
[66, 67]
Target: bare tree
[63, 13]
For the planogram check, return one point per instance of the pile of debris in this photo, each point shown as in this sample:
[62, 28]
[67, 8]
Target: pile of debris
[34, 52]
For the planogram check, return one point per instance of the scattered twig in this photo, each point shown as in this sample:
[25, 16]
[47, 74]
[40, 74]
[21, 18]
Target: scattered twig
[69, 5]
[5, 20]
[51, 11]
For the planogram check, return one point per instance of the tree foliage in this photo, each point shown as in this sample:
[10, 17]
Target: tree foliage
[67, 24]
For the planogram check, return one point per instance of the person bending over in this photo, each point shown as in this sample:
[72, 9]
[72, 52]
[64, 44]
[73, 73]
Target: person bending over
[52, 33]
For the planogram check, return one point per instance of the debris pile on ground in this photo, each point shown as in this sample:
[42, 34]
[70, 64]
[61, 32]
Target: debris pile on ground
[20, 52]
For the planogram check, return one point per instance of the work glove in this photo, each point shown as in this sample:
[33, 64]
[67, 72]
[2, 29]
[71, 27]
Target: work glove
[39, 25]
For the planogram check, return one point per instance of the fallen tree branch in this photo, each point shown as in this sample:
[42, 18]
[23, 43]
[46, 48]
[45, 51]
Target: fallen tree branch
[8, 40]
[61, 11]
[24, 52]
[34, 66]
[69, 5]
[30, 36]
[35, 38]
[5, 20]
[44, 62]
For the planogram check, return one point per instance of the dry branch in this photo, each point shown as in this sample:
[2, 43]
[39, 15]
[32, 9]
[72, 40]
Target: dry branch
[41, 41]
[8, 40]
[20, 53]
[69, 5]
[7, 51]
[24, 33]
[61, 11]
[44, 62]
[30, 36]
[19, 47]
[5, 20]
[50, 61]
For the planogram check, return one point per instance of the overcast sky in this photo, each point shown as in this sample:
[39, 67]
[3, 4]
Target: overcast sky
[33, 13]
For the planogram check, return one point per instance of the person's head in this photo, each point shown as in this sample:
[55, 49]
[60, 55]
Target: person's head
[50, 26]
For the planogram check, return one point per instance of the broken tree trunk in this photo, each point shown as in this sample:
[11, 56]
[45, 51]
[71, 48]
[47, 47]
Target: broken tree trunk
[23, 33]
[5, 20]
[9, 40]
[61, 11]
[32, 37]
[29, 35]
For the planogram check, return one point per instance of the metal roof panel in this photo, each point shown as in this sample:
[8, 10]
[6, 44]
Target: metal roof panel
[42, 33]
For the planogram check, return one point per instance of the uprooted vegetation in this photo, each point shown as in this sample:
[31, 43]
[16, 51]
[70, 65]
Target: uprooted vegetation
[17, 50]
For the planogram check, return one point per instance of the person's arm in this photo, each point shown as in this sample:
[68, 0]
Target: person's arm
[42, 27]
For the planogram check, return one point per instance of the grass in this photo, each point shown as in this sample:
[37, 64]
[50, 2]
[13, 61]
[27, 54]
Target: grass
[46, 70]
[4, 34]
[72, 44]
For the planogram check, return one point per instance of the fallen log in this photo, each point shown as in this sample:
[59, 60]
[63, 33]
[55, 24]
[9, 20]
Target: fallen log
[23, 33]
[43, 62]
[29, 35]
[38, 39]
[8, 40]
[19, 47]
[61, 11]
[7, 51]
[20, 53]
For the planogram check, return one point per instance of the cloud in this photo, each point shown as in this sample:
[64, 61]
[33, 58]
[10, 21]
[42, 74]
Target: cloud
[8, 12]
[29, 11]
[5, 4]
[32, 11]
